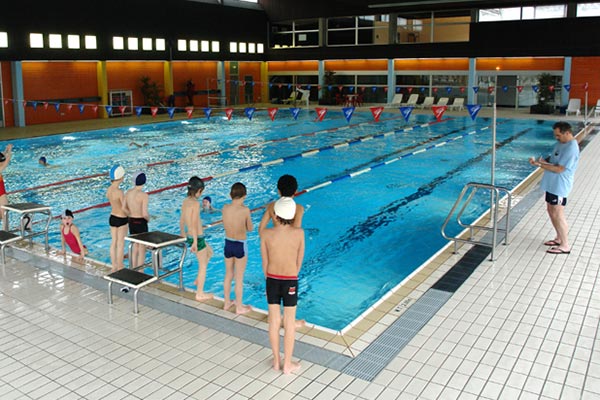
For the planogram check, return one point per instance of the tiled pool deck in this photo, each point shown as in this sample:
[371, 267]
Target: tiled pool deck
[523, 326]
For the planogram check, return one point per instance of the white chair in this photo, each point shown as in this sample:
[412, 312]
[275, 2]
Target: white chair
[458, 104]
[397, 100]
[412, 100]
[573, 107]
[597, 109]
[428, 102]
[443, 101]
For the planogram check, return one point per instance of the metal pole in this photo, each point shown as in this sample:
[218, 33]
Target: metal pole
[585, 114]
[493, 193]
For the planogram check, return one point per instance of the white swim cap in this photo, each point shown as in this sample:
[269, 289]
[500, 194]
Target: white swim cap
[285, 208]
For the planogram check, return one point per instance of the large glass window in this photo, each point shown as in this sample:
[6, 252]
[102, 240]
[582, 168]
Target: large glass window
[295, 34]
[518, 13]
[588, 10]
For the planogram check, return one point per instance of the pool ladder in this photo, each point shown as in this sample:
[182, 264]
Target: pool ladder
[471, 188]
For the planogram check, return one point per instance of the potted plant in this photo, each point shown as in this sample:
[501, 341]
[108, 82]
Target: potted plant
[545, 95]
[327, 98]
[150, 92]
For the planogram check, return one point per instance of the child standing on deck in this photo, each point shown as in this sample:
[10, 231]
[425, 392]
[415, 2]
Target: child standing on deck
[69, 234]
[236, 221]
[190, 225]
[118, 217]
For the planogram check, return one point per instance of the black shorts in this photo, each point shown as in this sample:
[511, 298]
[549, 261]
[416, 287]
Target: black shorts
[286, 289]
[117, 221]
[555, 200]
[137, 225]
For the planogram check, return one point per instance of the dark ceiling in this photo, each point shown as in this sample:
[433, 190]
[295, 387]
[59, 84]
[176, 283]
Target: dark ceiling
[287, 10]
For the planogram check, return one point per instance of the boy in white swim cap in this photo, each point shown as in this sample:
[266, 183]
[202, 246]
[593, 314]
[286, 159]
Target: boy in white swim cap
[282, 252]
[118, 217]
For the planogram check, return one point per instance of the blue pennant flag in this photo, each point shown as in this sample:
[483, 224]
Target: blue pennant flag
[505, 88]
[270, 85]
[473, 110]
[568, 88]
[138, 111]
[57, 106]
[289, 85]
[253, 83]
[397, 90]
[374, 89]
[351, 89]
[422, 89]
[308, 87]
[329, 87]
[171, 111]
[475, 89]
[108, 109]
[249, 112]
[207, 112]
[295, 111]
[535, 88]
[406, 111]
[348, 111]
[34, 105]
[448, 89]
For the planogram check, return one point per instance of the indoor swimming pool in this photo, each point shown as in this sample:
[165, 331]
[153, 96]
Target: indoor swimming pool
[375, 193]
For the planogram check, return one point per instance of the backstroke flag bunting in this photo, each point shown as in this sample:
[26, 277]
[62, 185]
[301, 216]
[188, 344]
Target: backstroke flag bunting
[189, 111]
[229, 113]
[438, 111]
[295, 111]
[473, 110]
[171, 111]
[376, 111]
[406, 111]
[272, 112]
[207, 112]
[321, 111]
[348, 111]
[249, 112]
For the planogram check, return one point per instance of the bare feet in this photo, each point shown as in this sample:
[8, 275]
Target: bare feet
[227, 305]
[300, 323]
[203, 296]
[242, 309]
[276, 365]
[293, 367]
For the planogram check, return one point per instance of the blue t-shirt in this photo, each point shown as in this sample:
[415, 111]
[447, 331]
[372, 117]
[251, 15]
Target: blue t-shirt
[567, 155]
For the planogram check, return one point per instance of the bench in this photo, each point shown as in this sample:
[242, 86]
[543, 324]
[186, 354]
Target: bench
[129, 279]
[5, 239]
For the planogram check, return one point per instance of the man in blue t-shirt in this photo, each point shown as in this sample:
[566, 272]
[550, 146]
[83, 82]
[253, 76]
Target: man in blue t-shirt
[559, 171]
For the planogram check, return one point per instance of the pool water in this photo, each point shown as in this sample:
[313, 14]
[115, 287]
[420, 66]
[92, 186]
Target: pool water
[374, 205]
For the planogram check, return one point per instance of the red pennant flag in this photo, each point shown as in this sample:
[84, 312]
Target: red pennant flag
[272, 112]
[385, 89]
[95, 108]
[376, 111]
[189, 111]
[24, 104]
[519, 89]
[491, 89]
[585, 86]
[410, 89]
[229, 113]
[122, 109]
[153, 111]
[69, 106]
[438, 111]
[318, 87]
[462, 89]
[45, 105]
[435, 90]
[320, 113]
[551, 88]
[340, 88]
[279, 86]
[6, 102]
[362, 88]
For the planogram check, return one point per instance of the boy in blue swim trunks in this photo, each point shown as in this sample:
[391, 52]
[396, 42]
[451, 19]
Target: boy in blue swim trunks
[237, 222]
[190, 225]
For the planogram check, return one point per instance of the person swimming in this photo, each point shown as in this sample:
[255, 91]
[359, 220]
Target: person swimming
[43, 162]
[207, 206]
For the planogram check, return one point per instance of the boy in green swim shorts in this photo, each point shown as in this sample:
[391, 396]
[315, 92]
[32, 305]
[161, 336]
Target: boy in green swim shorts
[190, 225]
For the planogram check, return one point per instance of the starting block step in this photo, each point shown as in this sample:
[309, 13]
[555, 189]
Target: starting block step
[5, 239]
[129, 278]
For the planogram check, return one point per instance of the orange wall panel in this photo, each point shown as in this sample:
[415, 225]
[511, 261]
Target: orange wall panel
[202, 73]
[585, 69]
[126, 76]
[6, 78]
[58, 80]
[282, 66]
[438, 64]
[521, 64]
[356, 65]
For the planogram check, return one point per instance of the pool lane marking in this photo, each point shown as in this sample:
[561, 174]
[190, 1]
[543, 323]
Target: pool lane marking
[210, 153]
[264, 164]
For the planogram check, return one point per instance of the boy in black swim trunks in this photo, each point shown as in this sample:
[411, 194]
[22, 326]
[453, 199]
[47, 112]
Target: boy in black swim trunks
[136, 203]
[118, 217]
[282, 251]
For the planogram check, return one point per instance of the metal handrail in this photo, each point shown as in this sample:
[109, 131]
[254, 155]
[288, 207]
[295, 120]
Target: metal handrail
[494, 206]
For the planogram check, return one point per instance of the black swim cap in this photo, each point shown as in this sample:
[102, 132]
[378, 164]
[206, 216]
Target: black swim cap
[2, 157]
[195, 184]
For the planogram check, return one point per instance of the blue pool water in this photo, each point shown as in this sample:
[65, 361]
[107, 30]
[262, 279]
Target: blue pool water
[364, 234]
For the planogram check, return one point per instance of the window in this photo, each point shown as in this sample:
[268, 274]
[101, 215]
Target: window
[181, 45]
[118, 43]
[193, 45]
[518, 13]
[90, 42]
[545, 12]
[146, 44]
[36, 40]
[3, 39]
[242, 47]
[55, 41]
[204, 46]
[233, 47]
[73, 42]
[132, 43]
[160, 45]
[260, 48]
[215, 46]
[500, 14]
[588, 10]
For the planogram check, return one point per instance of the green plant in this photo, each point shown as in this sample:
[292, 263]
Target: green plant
[329, 81]
[545, 94]
[150, 91]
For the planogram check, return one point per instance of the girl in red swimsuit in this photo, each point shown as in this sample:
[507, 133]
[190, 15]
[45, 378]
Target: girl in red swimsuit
[69, 233]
